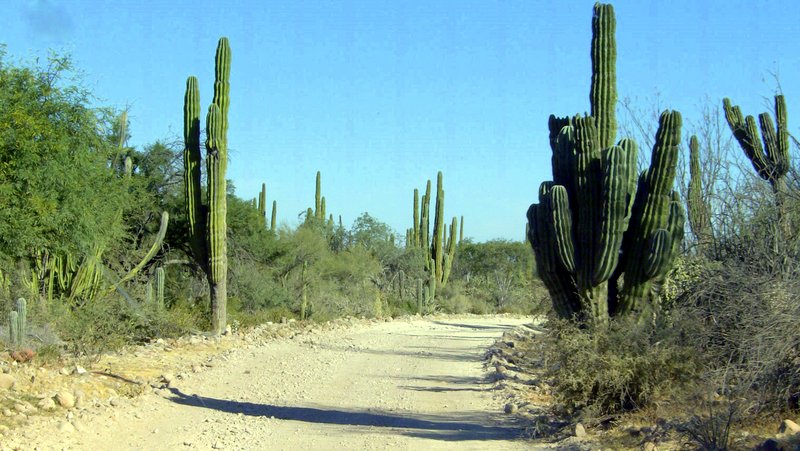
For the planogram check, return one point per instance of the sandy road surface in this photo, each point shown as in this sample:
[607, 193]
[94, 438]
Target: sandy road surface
[411, 384]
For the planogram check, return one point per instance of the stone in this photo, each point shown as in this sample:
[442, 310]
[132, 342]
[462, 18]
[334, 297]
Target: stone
[64, 371]
[66, 427]
[79, 370]
[789, 427]
[46, 404]
[510, 408]
[167, 377]
[65, 399]
[6, 381]
[580, 431]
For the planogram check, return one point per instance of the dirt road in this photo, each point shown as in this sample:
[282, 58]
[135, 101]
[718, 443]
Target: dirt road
[409, 384]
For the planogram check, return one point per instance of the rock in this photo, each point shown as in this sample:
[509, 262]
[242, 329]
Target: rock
[66, 427]
[228, 330]
[769, 445]
[167, 377]
[196, 368]
[46, 404]
[114, 402]
[79, 370]
[649, 446]
[510, 408]
[64, 371]
[80, 400]
[789, 427]
[580, 431]
[6, 381]
[65, 399]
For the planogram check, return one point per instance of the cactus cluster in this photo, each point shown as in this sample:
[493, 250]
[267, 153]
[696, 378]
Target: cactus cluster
[439, 246]
[261, 204]
[603, 241]
[208, 222]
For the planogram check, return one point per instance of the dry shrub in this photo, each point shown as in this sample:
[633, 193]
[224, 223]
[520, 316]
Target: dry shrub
[601, 371]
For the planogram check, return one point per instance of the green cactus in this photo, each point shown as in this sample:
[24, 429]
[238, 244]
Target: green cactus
[771, 161]
[318, 198]
[420, 297]
[17, 324]
[603, 92]
[697, 208]
[274, 217]
[262, 204]
[461, 231]
[415, 235]
[160, 278]
[303, 293]
[208, 223]
[603, 242]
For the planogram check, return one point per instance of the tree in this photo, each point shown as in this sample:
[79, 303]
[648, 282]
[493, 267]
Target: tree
[57, 193]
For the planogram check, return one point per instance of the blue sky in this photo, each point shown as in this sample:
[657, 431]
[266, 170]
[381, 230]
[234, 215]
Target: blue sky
[379, 95]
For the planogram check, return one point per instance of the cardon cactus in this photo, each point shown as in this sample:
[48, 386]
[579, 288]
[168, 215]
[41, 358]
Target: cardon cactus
[17, 324]
[771, 161]
[439, 246]
[698, 210]
[160, 278]
[208, 222]
[603, 242]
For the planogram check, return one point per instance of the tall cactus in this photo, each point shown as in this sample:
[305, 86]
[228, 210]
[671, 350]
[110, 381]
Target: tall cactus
[603, 243]
[160, 279]
[262, 205]
[318, 212]
[274, 216]
[697, 208]
[439, 245]
[603, 93]
[771, 161]
[208, 223]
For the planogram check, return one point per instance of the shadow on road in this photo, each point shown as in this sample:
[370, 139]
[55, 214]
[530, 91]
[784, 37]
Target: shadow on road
[452, 427]
[475, 326]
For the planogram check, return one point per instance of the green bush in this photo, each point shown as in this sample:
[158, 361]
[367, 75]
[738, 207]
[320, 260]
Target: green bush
[621, 367]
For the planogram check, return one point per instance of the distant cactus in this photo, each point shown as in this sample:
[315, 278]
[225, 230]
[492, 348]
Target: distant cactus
[697, 208]
[771, 161]
[17, 324]
[274, 217]
[160, 278]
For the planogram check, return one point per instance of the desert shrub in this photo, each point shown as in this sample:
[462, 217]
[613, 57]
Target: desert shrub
[747, 332]
[605, 370]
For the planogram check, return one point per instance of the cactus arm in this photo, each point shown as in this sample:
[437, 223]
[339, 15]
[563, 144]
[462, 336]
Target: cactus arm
[157, 243]
[191, 171]
[603, 93]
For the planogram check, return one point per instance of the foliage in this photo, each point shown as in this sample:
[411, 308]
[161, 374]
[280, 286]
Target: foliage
[53, 164]
[598, 371]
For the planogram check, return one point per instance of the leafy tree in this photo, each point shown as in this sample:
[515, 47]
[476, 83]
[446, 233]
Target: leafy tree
[56, 190]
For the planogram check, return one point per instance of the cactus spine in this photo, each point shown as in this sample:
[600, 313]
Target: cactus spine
[208, 223]
[603, 243]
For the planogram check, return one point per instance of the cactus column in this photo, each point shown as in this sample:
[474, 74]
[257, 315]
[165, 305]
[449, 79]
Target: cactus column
[208, 223]
[698, 211]
[603, 244]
